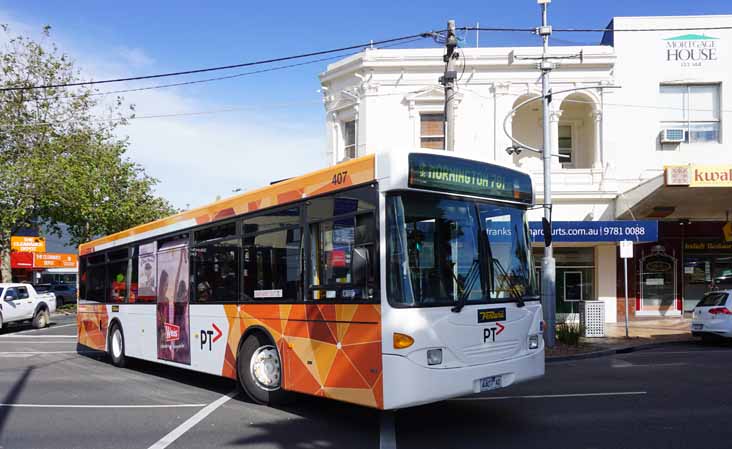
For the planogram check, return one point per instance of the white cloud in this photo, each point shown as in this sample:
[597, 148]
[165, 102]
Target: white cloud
[196, 158]
[135, 57]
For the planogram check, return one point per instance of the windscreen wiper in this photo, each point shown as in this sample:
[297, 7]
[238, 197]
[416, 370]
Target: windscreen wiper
[473, 275]
[512, 287]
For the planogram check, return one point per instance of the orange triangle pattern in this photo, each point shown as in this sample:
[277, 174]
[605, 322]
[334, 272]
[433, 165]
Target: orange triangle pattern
[338, 347]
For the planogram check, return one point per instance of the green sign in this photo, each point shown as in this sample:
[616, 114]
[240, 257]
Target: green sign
[450, 174]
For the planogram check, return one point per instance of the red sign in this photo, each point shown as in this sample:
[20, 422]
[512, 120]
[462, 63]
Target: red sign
[172, 332]
[218, 332]
[338, 258]
[21, 260]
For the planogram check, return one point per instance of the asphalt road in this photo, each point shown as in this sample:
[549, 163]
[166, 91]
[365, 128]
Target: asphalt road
[51, 397]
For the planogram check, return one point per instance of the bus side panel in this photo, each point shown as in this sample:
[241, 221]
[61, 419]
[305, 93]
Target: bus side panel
[330, 350]
[140, 329]
[91, 325]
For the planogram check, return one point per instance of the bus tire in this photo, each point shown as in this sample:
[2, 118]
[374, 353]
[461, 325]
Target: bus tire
[259, 369]
[117, 346]
[41, 318]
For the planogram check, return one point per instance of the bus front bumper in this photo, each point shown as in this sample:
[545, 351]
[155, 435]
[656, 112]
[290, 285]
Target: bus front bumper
[407, 384]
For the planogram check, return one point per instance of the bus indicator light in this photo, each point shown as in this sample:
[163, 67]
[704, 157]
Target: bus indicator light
[402, 341]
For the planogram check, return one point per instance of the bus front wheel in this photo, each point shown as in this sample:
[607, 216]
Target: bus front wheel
[260, 370]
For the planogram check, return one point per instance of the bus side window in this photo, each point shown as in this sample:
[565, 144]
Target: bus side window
[342, 257]
[272, 266]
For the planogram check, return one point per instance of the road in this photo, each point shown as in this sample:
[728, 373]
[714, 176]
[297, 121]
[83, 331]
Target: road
[52, 397]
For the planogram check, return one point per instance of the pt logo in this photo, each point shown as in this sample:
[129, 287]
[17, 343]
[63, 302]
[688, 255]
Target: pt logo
[489, 333]
[207, 336]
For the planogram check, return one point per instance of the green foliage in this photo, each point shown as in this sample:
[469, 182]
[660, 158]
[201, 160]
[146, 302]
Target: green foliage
[569, 333]
[59, 161]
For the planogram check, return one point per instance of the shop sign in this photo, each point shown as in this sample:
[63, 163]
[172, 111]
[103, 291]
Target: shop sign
[699, 175]
[27, 244]
[21, 260]
[597, 231]
[691, 50]
[707, 246]
[727, 231]
[54, 260]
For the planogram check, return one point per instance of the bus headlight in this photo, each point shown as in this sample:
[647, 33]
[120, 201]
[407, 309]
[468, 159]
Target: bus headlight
[434, 356]
[533, 341]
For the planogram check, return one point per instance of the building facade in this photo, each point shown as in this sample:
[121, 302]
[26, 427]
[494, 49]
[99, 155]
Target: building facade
[638, 123]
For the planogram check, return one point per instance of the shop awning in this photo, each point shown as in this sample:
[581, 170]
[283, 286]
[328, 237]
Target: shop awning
[659, 197]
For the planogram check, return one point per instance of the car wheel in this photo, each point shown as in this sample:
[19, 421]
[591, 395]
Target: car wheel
[1, 321]
[117, 347]
[41, 319]
[260, 370]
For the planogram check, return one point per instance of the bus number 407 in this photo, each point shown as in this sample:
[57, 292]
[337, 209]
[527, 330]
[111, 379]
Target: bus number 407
[339, 178]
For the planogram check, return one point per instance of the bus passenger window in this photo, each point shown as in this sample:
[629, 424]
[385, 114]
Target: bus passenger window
[342, 258]
[216, 271]
[272, 266]
[117, 284]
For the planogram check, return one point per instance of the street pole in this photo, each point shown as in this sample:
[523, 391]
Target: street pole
[548, 264]
[625, 262]
[448, 80]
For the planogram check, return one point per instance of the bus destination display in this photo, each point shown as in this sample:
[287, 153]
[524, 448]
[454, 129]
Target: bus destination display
[435, 172]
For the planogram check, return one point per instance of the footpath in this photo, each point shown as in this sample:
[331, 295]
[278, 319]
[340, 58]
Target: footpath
[643, 333]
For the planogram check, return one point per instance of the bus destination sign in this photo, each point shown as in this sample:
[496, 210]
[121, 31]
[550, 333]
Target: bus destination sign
[449, 174]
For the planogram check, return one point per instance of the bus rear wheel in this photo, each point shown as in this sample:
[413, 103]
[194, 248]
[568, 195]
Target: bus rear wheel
[260, 370]
[117, 347]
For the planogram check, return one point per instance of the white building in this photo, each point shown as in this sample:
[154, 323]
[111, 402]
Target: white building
[667, 116]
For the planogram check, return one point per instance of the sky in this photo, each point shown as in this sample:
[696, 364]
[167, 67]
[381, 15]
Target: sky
[258, 128]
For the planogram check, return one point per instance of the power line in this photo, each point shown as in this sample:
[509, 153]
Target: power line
[226, 67]
[243, 74]
[596, 30]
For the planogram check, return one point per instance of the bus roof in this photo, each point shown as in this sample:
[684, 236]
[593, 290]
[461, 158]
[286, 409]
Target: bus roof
[337, 177]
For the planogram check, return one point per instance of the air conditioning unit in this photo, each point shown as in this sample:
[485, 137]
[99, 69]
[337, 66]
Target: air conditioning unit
[673, 135]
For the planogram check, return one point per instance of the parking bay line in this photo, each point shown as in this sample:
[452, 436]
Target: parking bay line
[56, 326]
[102, 406]
[188, 424]
[553, 396]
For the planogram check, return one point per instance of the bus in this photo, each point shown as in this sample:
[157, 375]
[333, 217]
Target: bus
[390, 280]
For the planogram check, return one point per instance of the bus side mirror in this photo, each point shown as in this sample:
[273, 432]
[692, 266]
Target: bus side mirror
[547, 228]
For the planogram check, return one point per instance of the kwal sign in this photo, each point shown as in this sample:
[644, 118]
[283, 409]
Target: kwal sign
[691, 50]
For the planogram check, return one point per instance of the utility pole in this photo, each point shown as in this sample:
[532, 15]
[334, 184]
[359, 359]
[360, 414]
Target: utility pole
[448, 80]
[548, 264]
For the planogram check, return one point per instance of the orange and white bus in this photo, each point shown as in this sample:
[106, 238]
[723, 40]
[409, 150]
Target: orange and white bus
[390, 280]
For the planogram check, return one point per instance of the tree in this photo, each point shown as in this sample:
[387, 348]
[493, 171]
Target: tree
[60, 158]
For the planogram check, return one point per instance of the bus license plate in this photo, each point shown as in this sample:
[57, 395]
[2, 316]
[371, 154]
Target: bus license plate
[490, 383]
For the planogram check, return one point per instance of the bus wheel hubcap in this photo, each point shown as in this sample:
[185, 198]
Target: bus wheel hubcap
[265, 368]
[117, 344]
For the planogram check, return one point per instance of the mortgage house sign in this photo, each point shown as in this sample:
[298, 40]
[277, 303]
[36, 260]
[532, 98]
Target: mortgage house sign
[691, 50]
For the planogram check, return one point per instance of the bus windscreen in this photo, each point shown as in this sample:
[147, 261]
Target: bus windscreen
[449, 174]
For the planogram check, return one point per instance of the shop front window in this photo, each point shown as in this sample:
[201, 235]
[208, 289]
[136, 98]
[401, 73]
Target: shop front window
[575, 278]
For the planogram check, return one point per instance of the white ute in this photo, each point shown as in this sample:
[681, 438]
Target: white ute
[20, 302]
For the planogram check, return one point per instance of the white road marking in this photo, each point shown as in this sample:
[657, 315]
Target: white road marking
[10, 353]
[47, 328]
[8, 336]
[626, 364]
[176, 433]
[697, 351]
[102, 406]
[550, 396]
[387, 432]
